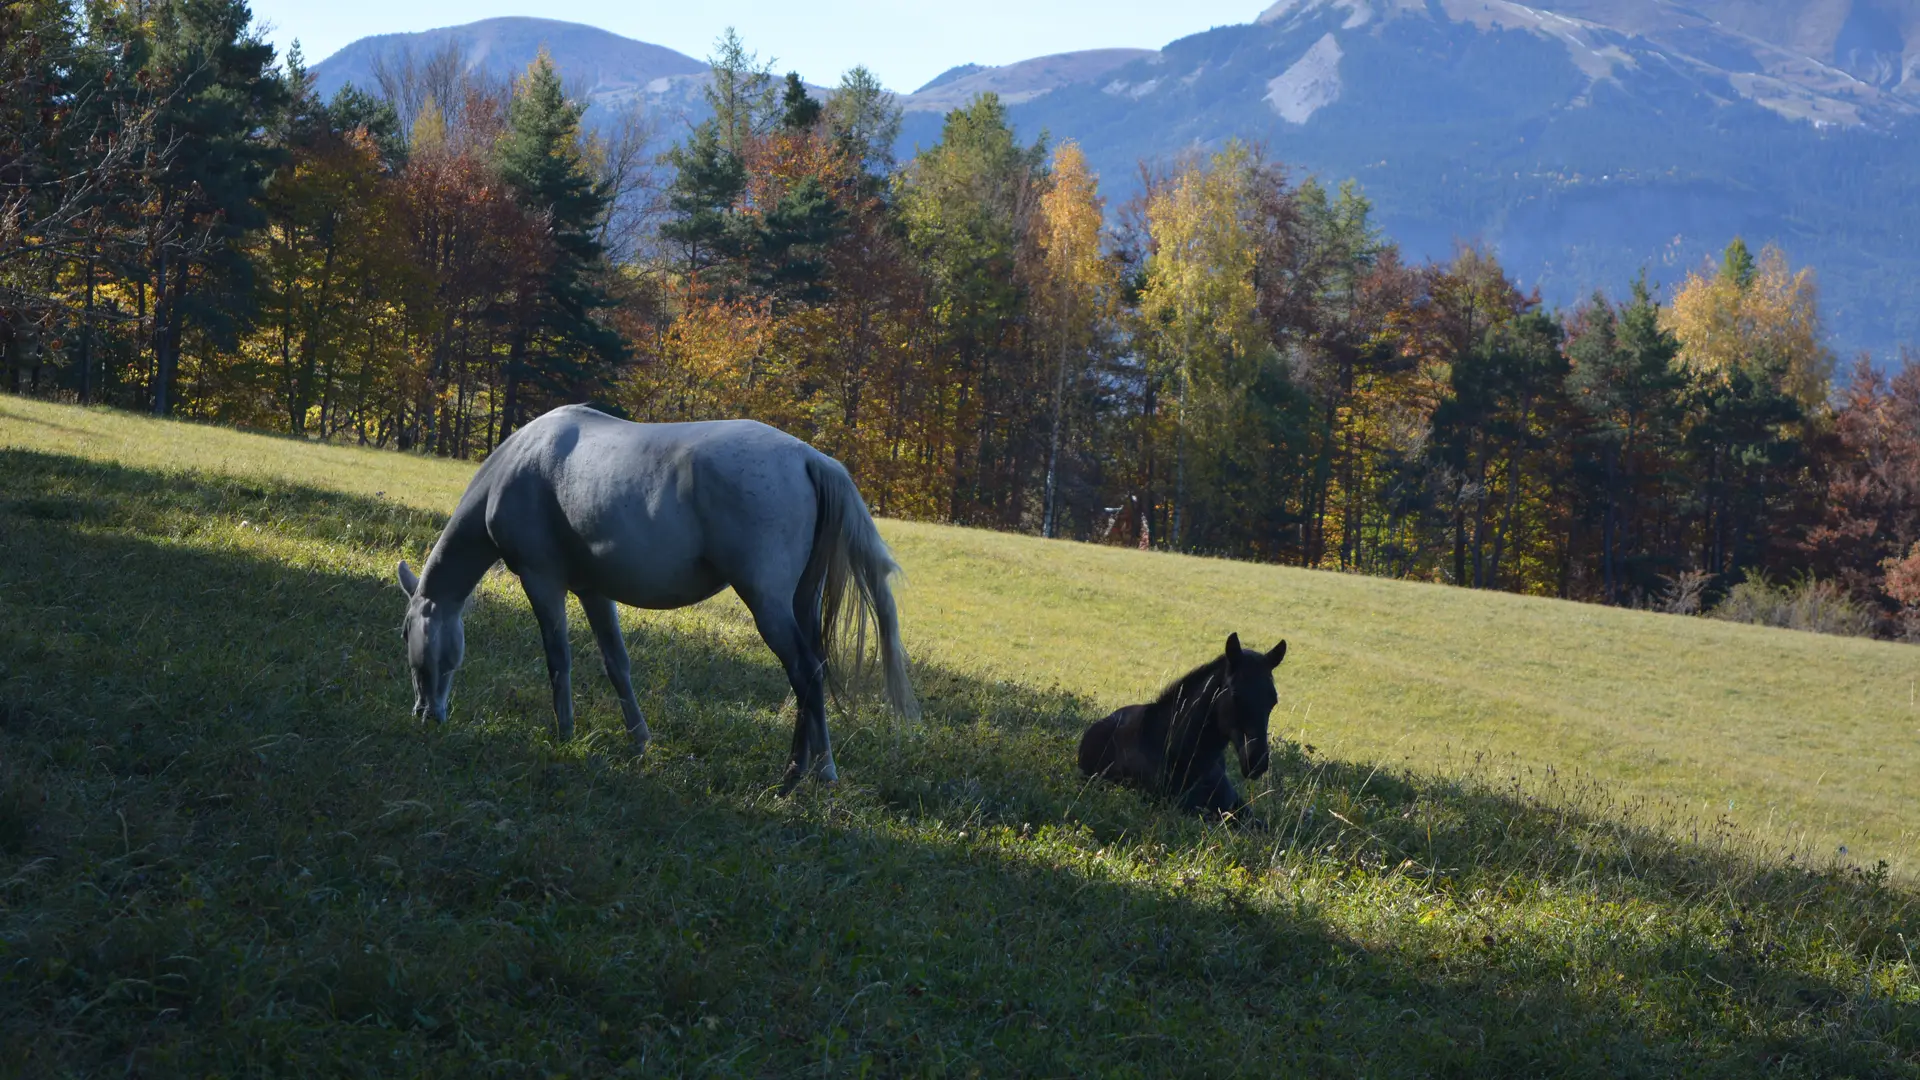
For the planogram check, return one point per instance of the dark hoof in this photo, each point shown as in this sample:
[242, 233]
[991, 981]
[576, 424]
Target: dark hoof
[820, 769]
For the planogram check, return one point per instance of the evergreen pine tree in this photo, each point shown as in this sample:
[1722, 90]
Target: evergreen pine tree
[1624, 381]
[741, 92]
[798, 110]
[1737, 265]
[865, 120]
[558, 347]
[791, 241]
[707, 184]
[217, 96]
[351, 109]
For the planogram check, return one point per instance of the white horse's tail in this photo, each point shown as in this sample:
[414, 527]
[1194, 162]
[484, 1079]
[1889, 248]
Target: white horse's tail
[854, 564]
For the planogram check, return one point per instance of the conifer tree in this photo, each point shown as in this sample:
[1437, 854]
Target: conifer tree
[742, 93]
[218, 95]
[790, 243]
[1623, 382]
[865, 120]
[798, 109]
[560, 347]
[707, 183]
[1736, 264]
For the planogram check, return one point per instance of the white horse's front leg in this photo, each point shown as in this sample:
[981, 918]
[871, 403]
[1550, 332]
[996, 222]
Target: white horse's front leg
[605, 618]
[549, 601]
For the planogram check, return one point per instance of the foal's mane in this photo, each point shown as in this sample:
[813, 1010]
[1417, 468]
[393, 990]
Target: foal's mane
[1189, 687]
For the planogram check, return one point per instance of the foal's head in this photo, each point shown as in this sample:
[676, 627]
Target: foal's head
[1245, 700]
[436, 643]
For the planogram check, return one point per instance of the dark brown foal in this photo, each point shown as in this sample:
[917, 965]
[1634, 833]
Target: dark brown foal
[1175, 746]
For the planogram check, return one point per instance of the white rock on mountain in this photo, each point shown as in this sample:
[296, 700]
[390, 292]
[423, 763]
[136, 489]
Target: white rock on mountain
[1312, 83]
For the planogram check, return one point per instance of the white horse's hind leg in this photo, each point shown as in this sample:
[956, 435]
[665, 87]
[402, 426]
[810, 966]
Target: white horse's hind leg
[827, 770]
[605, 618]
[807, 613]
[782, 633]
[549, 600]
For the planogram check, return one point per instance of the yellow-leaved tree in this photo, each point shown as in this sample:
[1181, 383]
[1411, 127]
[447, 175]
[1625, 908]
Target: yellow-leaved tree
[709, 365]
[1199, 306]
[1759, 317]
[1076, 287]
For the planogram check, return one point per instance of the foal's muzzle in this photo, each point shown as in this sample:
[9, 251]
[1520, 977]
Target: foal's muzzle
[1254, 758]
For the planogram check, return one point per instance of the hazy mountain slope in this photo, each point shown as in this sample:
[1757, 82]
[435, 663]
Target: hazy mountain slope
[958, 71]
[607, 69]
[1019, 82]
[1583, 152]
[1834, 61]
[1874, 41]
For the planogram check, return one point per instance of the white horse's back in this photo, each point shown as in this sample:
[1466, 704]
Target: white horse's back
[653, 515]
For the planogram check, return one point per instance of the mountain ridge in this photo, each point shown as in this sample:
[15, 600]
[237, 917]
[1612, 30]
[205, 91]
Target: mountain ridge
[606, 69]
[1019, 82]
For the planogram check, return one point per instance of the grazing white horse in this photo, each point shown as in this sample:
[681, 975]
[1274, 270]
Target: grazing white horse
[662, 516]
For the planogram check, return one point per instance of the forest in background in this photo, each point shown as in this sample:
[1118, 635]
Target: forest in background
[1236, 361]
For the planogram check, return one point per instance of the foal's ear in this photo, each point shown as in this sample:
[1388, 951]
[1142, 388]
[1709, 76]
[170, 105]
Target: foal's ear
[1233, 648]
[409, 584]
[1277, 654]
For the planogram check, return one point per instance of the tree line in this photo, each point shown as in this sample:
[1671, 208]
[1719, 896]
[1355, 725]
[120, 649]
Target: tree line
[1233, 360]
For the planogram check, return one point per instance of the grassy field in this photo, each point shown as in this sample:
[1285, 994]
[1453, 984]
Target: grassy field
[1510, 836]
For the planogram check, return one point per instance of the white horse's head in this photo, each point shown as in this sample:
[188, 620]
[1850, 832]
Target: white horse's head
[436, 643]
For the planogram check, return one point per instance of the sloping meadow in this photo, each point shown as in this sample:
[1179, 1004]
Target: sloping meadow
[226, 849]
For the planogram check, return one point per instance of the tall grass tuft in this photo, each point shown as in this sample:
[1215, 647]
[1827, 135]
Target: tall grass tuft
[1822, 607]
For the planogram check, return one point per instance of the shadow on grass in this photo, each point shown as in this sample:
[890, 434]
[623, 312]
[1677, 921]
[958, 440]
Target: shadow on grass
[225, 847]
[20, 416]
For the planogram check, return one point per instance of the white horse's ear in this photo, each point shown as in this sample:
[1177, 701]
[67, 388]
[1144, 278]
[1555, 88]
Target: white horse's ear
[1278, 654]
[409, 584]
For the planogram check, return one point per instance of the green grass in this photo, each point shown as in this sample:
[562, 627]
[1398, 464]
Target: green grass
[1532, 838]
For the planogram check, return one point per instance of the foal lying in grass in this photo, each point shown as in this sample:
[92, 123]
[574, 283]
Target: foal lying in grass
[1176, 745]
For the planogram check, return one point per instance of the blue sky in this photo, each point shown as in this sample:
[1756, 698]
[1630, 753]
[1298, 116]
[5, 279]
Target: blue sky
[904, 43]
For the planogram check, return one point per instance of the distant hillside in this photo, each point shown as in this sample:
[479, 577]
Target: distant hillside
[609, 70]
[1016, 83]
[1865, 51]
[958, 71]
[1844, 62]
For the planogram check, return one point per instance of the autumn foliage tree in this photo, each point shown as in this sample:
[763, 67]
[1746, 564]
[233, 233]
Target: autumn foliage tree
[1869, 522]
[1075, 294]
